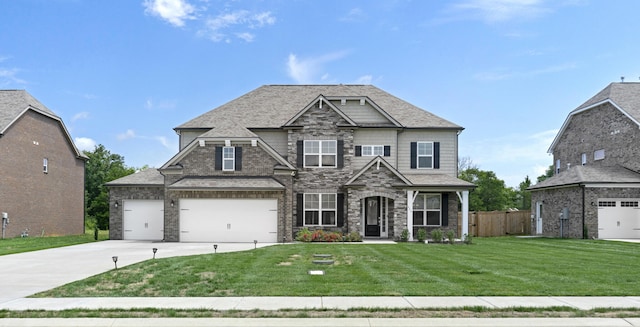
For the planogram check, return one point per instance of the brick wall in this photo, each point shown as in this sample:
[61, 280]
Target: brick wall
[51, 203]
[119, 193]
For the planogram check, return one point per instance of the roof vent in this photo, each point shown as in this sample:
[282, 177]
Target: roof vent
[621, 79]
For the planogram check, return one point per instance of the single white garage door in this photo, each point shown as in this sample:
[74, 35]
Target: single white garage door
[618, 218]
[143, 220]
[228, 220]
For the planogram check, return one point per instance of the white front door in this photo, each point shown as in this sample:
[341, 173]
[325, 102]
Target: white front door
[538, 217]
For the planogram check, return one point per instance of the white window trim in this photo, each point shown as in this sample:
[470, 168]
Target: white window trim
[232, 159]
[424, 216]
[320, 154]
[598, 155]
[45, 165]
[372, 149]
[320, 209]
[418, 155]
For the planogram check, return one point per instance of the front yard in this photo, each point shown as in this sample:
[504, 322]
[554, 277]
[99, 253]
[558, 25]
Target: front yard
[490, 266]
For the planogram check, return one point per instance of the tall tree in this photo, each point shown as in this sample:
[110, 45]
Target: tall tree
[102, 167]
[547, 173]
[523, 201]
[490, 192]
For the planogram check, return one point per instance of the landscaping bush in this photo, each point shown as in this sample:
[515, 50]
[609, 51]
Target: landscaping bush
[451, 236]
[436, 235]
[319, 235]
[422, 235]
[467, 239]
[404, 236]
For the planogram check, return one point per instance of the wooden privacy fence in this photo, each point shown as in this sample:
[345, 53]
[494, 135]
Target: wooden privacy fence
[497, 223]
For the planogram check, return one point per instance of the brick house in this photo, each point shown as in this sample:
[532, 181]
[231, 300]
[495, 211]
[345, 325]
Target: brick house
[596, 187]
[42, 185]
[349, 158]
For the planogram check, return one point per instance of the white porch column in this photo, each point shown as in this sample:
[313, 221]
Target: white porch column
[410, 199]
[464, 198]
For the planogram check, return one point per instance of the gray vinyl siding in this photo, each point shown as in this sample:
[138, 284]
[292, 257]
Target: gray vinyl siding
[361, 114]
[276, 139]
[448, 154]
[376, 136]
[187, 137]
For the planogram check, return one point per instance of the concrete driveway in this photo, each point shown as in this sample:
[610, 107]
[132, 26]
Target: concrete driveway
[28, 273]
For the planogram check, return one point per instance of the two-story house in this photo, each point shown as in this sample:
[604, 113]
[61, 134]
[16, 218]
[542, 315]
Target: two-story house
[349, 158]
[595, 191]
[41, 170]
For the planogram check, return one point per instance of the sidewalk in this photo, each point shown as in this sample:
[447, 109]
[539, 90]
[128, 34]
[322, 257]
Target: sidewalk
[319, 302]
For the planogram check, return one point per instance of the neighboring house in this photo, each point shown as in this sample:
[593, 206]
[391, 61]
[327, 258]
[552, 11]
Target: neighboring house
[41, 170]
[596, 188]
[348, 158]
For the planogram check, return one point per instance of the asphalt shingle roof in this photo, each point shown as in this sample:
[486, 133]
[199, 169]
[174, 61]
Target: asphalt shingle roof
[625, 95]
[147, 177]
[271, 106]
[224, 183]
[14, 102]
[589, 175]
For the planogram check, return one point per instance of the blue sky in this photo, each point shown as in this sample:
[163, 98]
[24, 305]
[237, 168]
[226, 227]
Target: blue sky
[124, 73]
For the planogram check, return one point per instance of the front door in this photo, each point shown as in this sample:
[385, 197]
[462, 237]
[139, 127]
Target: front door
[538, 217]
[372, 216]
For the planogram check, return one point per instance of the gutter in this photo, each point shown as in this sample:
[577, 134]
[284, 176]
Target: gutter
[582, 186]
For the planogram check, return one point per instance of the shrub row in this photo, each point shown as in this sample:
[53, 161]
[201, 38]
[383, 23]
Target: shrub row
[319, 235]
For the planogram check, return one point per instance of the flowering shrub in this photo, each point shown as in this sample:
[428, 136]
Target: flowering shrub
[319, 235]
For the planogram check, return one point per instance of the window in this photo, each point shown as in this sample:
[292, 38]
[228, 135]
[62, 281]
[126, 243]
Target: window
[606, 203]
[320, 209]
[598, 154]
[372, 150]
[320, 153]
[426, 210]
[558, 166]
[584, 159]
[45, 165]
[228, 158]
[425, 155]
[629, 204]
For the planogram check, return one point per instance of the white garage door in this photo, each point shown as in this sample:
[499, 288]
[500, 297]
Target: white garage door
[143, 220]
[618, 218]
[228, 220]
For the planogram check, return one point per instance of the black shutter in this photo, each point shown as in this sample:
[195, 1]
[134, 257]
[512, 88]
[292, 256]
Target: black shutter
[436, 155]
[414, 155]
[445, 209]
[387, 151]
[300, 209]
[238, 154]
[340, 159]
[340, 209]
[358, 150]
[300, 152]
[218, 159]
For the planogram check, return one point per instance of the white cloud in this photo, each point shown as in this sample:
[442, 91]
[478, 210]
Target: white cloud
[220, 27]
[366, 79]
[354, 15]
[80, 115]
[151, 104]
[85, 143]
[503, 74]
[494, 11]
[9, 76]
[129, 134]
[173, 11]
[305, 71]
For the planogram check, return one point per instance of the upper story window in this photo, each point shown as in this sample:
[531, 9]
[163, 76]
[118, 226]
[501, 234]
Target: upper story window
[320, 153]
[598, 154]
[228, 158]
[427, 210]
[45, 165]
[584, 159]
[320, 209]
[425, 154]
[372, 150]
[558, 166]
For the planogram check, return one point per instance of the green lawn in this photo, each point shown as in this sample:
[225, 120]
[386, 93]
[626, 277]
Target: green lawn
[31, 243]
[490, 266]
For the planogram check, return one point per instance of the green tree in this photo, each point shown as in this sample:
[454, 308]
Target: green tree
[490, 192]
[523, 198]
[547, 173]
[102, 167]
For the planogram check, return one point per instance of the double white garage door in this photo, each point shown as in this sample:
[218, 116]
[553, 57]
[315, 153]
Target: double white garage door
[205, 220]
[618, 218]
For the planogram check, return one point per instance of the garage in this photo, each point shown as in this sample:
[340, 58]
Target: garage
[228, 220]
[618, 218]
[143, 220]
